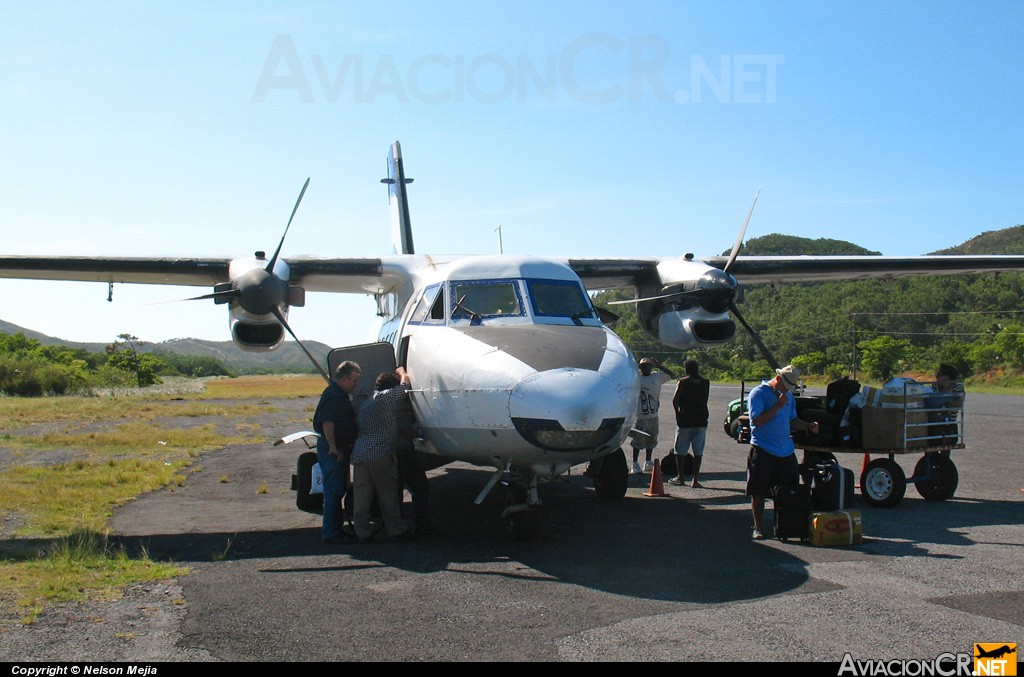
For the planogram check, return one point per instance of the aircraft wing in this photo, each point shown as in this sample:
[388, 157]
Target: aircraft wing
[351, 275]
[652, 272]
[759, 269]
[176, 271]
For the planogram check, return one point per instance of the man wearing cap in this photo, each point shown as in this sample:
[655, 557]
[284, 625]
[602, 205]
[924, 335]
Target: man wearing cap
[772, 461]
[647, 411]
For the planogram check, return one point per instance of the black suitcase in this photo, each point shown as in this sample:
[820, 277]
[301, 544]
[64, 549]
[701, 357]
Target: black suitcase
[831, 487]
[669, 465]
[792, 511]
[838, 395]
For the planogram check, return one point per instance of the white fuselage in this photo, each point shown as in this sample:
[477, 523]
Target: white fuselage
[508, 377]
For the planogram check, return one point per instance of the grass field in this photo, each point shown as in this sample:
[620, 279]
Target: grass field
[67, 462]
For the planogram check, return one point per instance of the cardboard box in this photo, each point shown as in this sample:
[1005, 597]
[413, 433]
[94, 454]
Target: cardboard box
[842, 527]
[903, 393]
[872, 396]
[887, 428]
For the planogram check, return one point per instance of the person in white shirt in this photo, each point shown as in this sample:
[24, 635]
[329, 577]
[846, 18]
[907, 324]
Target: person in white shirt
[647, 411]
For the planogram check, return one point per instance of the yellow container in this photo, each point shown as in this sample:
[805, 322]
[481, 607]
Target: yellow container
[841, 527]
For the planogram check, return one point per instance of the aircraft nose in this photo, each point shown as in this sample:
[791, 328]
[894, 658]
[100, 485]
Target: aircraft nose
[569, 409]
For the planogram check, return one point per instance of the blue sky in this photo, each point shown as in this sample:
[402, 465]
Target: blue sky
[590, 129]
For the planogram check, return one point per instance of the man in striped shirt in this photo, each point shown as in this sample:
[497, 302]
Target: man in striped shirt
[374, 458]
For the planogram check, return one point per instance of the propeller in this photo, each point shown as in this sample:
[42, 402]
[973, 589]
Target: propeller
[743, 231]
[260, 291]
[716, 290]
[273, 259]
[733, 308]
[280, 318]
[772, 362]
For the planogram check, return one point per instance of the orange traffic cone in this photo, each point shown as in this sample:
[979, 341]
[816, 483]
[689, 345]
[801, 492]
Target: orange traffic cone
[657, 486]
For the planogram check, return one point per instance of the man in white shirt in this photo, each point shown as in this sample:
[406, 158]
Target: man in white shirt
[647, 411]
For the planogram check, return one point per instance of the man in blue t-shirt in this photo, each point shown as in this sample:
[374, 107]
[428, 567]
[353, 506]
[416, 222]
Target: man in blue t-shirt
[772, 461]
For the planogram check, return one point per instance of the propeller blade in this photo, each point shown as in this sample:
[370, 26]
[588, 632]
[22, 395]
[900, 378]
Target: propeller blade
[218, 296]
[757, 340]
[743, 231]
[284, 323]
[674, 294]
[273, 260]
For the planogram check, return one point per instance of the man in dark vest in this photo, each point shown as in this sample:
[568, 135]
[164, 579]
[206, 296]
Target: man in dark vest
[691, 406]
[335, 420]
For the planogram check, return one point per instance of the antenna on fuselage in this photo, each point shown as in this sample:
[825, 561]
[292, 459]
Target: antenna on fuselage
[501, 248]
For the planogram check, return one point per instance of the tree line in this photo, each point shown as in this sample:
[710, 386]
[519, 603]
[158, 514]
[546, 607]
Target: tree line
[29, 368]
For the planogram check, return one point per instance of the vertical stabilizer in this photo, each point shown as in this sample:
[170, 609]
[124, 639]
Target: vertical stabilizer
[401, 228]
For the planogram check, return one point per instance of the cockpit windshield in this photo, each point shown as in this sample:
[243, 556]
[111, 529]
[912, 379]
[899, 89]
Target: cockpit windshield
[490, 298]
[549, 299]
[559, 298]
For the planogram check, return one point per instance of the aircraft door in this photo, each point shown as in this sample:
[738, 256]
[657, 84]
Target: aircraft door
[373, 359]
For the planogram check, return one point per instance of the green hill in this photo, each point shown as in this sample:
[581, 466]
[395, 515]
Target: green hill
[1006, 241]
[775, 244]
[288, 357]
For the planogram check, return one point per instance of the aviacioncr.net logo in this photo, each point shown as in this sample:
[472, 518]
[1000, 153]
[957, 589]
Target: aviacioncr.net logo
[994, 658]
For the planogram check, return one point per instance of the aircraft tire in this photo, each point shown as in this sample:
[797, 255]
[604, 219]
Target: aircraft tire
[612, 479]
[304, 500]
[883, 483]
[943, 479]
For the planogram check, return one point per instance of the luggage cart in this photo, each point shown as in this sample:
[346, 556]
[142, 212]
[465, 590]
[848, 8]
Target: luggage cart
[917, 421]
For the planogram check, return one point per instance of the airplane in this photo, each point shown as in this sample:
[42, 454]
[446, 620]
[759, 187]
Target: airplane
[995, 653]
[513, 366]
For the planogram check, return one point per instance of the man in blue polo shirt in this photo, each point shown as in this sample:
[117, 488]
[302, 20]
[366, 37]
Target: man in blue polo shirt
[772, 461]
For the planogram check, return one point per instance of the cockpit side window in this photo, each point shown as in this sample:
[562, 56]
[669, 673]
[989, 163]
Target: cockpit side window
[486, 298]
[559, 298]
[430, 308]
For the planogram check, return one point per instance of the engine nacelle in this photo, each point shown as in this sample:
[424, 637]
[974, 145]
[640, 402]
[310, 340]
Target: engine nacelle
[688, 328]
[254, 294]
[253, 333]
[688, 309]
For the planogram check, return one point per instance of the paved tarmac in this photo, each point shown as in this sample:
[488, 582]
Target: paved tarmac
[673, 578]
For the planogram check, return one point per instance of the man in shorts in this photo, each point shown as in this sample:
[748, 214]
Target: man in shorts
[647, 411]
[772, 461]
[691, 405]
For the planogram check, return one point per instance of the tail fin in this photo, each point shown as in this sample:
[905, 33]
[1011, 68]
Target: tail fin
[401, 228]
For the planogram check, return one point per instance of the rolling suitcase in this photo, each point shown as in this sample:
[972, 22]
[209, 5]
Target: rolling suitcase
[792, 511]
[831, 487]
